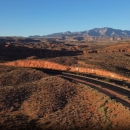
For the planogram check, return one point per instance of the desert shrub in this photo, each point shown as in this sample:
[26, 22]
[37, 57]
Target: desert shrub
[107, 80]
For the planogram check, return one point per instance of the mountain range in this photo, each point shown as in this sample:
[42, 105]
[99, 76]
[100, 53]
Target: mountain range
[93, 32]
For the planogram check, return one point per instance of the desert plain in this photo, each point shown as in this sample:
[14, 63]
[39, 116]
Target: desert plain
[34, 99]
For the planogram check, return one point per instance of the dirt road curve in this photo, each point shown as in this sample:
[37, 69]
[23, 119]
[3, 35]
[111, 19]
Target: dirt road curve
[114, 91]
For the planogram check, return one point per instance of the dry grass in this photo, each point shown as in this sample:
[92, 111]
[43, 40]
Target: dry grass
[115, 62]
[50, 102]
[33, 100]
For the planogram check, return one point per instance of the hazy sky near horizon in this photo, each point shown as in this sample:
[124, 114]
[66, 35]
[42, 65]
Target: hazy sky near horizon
[41, 17]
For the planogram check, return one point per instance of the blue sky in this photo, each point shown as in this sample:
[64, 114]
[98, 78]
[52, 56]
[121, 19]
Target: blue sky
[41, 17]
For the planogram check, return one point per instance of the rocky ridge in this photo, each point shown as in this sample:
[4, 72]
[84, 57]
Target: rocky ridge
[105, 31]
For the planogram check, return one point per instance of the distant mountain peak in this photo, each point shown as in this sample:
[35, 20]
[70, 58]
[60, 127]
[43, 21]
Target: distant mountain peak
[105, 31]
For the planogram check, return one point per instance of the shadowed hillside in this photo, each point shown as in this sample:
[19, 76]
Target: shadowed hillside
[21, 52]
[33, 100]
